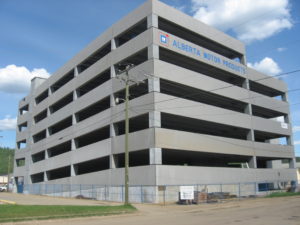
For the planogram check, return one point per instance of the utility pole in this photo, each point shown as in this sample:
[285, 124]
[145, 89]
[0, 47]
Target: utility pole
[127, 137]
[127, 81]
[8, 169]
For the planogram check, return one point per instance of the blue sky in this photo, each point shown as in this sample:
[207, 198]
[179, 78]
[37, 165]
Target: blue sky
[39, 36]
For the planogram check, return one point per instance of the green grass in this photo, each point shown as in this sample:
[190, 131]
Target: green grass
[282, 194]
[13, 213]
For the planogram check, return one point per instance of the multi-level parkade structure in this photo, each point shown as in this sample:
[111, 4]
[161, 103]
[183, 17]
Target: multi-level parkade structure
[199, 116]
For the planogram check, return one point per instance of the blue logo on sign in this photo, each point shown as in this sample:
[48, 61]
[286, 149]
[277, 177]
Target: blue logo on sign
[164, 38]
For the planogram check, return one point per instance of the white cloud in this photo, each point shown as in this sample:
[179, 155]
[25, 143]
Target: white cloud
[281, 49]
[266, 65]
[249, 19]
[15, 79]
[8, 123]
[297, 142]
[296, 128]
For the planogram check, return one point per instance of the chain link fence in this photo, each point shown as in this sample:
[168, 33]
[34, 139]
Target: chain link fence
[159, 194]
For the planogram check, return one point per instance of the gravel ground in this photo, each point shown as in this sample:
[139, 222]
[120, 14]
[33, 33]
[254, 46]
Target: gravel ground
[260, 211]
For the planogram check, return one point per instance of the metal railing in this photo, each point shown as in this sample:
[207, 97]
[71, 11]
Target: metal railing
[158, 194]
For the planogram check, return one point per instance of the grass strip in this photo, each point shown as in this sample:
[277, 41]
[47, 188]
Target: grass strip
[282, 194]
[14, 213]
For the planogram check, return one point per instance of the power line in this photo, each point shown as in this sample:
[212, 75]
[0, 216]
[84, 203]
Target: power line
[217, 139]
[216, 89]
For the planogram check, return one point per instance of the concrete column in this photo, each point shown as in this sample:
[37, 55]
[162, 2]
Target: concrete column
[152, 21]
[73, 173]
[46, 154]
[290, 140]
[269, 164]
[74, 119]
[112, 162]
[155, 156]
[243, 60]
[113, 130]
[73, 144]
[76, 71]
[246, 84]
[112, 71]
[153, 52]
[45, 176]
[284, 97]
[154, 119]
[113, 44]
[49, 92]
[75, 96]
[292, 163]
[153, 84]
[252, 162]
[48, 132]
[112, 100]
[248, 109]
[250, 136]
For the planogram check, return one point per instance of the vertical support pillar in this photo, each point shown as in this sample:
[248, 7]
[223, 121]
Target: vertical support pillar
[153, 84]
[114, 131]
[47, 132]
[46, 154]
[248, 109]
[243, 60]
[45, 176]
[292, 163]
[76, 71]
[112, 162]
[250, 136]
[152, 21]
[113, 44]
[74, 119]
[73, 144]
[112, 71]
[75, 96]
[246, 84]
[155, 155]
[153, 52]
[154, 119]
[284, 97]
[252, 162]
[73, 172]
[48, 112]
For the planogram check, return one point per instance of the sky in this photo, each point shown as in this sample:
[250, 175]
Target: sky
[39, 36]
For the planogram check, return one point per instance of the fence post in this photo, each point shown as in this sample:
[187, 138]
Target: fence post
[141, 194]
[239, 190]
[122, 194]
[165, 195]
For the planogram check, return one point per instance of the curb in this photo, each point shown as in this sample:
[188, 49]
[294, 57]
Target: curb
[8, 202]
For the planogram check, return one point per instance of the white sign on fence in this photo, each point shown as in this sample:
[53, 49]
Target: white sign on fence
[186, 192]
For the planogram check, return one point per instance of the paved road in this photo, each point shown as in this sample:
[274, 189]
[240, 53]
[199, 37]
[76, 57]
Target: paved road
[275, 211]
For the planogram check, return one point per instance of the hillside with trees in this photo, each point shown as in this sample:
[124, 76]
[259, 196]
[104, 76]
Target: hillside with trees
[6, 160]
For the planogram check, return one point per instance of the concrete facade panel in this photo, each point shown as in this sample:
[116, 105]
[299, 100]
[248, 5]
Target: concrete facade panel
[184, 20]
[178, 175]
